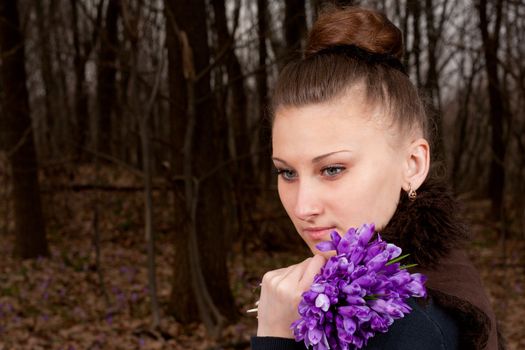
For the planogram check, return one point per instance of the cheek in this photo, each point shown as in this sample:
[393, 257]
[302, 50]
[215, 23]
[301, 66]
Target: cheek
[387, 206]
[286, 195]
[363, 198]
[385, 199]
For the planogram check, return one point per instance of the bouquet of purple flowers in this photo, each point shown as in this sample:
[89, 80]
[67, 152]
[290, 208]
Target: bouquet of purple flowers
[360, 291]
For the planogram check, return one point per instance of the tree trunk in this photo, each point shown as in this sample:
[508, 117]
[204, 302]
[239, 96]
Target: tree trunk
[462, 118]
[82, 49]
[213, 242]
[294, 27]
[63, 122]
[415, 9]
[431, 86]
[50, 91]
[182, 305]
[237, 89]
[81, 98]
[106, 73]
[264, 153]
[496, 185]
[237, 124]
[124, 135]
[30, 239]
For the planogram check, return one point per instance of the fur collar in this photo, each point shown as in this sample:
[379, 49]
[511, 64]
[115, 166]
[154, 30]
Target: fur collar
[430, 230]
[427, 228]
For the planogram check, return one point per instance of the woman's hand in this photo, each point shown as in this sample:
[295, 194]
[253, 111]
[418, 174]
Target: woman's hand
[281, 292]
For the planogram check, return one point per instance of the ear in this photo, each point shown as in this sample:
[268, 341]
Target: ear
[417, 164]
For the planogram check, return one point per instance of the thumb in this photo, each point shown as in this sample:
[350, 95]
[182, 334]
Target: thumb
[314, 267]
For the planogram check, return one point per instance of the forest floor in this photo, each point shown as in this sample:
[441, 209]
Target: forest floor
[58, 303]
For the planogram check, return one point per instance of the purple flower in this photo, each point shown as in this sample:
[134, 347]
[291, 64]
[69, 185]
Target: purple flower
[360, 291]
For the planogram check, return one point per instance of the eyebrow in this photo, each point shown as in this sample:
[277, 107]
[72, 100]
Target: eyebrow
[321, 157]
[318, 158]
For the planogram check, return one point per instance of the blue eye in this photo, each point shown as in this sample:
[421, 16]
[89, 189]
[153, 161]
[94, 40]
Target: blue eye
[287, 174]
[331, 171]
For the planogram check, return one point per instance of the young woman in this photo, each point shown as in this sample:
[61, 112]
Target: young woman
[350, 146]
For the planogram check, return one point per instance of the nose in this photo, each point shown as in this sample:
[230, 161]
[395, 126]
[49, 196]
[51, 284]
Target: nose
[308, 203]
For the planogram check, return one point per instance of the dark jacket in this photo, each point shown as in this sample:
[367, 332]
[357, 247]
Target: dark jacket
[427, 327]
[457, 313]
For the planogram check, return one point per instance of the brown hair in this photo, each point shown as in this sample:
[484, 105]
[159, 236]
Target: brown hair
[324, 74]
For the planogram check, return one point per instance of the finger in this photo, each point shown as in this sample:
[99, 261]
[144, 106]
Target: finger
[295, 272]
[314, 267]
[271, 275]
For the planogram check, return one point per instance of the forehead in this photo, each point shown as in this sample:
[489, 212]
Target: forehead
[350, 121]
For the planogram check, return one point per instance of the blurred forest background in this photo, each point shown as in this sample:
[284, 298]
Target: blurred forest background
[138, 208]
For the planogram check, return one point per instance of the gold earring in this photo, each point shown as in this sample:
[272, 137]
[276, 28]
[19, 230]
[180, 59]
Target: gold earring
[412, 194]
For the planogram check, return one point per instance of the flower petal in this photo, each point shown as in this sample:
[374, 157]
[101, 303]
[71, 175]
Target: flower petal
[325, 246]
[356, 294]
[322, 302]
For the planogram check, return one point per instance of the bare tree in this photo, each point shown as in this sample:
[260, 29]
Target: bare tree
[201, 244]
[82, 48]
[51, 98]
[31, 239]
[498, 109]
[262, 91]
[106, 75]
[294, 27]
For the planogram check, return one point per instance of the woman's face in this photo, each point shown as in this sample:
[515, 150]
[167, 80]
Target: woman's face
[340, 165]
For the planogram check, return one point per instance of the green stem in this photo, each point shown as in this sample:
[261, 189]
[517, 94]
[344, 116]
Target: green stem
[399, 258]
[407, 266]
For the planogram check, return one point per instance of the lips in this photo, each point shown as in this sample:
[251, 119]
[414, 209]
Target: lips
[318, 233]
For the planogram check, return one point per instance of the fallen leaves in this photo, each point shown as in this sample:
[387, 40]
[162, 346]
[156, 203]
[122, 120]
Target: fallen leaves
[59, 302]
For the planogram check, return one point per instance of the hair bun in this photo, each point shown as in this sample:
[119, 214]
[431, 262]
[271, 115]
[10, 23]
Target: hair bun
[367, 29]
